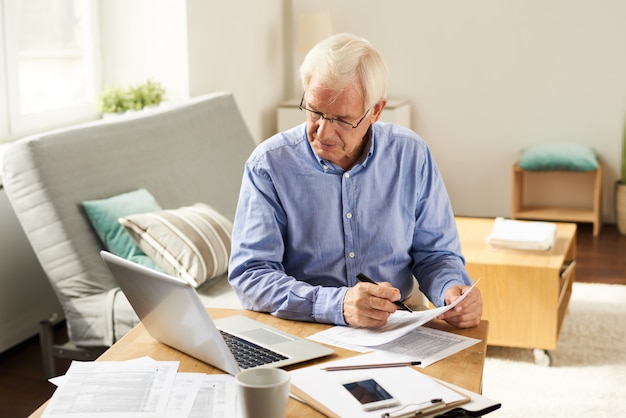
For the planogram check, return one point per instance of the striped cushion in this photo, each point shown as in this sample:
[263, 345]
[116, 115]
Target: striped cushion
[191, 242]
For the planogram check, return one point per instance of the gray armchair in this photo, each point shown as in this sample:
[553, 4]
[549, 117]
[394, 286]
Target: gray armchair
[182, 154]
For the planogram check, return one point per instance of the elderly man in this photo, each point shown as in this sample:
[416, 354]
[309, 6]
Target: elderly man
[343, 195]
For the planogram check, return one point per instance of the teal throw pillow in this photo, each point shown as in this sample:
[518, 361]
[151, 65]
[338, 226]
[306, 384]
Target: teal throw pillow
[558, 156]
[103, 215]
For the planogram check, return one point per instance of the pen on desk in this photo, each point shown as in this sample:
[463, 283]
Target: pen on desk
[371, 366]
[363, 278]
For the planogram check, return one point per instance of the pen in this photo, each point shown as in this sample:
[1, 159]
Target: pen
[363, 278]
[371, 366]
[433, 405]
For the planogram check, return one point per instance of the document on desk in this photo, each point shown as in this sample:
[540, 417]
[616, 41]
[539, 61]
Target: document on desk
[216, 397]
[140, 388]
[426, 345]
[185, 391]
[399, 324]
[113, 389]
[422, 344]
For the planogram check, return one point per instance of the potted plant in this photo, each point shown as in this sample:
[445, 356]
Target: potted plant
[620, 191]
[148, 94]
[116, 100]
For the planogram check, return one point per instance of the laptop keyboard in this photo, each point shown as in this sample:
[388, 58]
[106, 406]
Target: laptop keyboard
[249, 354]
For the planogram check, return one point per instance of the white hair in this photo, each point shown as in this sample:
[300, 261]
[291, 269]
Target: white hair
[340, 59]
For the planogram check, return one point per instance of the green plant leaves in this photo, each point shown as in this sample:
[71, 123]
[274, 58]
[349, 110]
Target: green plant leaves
[119, 100]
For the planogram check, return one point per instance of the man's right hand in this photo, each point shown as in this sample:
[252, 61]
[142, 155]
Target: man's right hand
[369, 305]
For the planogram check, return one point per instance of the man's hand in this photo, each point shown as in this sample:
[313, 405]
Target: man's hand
[467, 313]
[369, 305]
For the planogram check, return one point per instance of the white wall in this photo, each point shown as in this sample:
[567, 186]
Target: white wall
[144, 39]
[238, 46]
[200, 46]
[487, 77]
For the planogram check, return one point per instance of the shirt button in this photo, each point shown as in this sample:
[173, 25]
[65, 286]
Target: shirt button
[349, 215]
[346, 175]
[325, 168]
[351, 254]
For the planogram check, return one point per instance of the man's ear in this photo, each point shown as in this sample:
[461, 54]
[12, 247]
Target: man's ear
[377, 110]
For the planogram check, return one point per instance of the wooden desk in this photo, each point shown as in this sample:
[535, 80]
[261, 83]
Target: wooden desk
[525, 293]
[464, 369]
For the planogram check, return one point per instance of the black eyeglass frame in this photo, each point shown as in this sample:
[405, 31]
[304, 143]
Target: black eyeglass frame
[331, 120]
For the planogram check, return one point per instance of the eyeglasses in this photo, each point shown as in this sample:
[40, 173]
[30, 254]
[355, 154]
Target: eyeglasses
[315, 116]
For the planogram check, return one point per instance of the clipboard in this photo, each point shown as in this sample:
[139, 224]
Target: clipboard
[425, 411]
[321, 390]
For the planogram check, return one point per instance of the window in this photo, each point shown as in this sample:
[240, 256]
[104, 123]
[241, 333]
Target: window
[49, 56]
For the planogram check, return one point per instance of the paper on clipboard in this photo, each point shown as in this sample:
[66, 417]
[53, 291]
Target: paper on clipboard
[399, 324]
[322, 389]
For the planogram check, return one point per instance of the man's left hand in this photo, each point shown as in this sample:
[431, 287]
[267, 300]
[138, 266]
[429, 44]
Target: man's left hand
[467, 313]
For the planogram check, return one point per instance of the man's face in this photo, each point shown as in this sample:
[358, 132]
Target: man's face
[334, 141]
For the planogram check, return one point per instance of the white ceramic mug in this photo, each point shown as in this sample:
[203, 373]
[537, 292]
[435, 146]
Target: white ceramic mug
[263, 393]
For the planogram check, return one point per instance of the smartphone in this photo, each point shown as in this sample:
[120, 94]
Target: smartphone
[370, 394]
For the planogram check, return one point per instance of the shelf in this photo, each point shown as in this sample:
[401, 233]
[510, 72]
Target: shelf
[555, 214]
[592, 214]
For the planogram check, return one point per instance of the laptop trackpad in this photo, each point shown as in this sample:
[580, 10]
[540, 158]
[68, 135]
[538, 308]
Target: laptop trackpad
[265, 336]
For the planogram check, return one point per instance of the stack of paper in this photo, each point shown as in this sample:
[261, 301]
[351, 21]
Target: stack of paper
[139, 388]
[522, 235]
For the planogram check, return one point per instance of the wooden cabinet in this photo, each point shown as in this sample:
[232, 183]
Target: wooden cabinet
[525, 293]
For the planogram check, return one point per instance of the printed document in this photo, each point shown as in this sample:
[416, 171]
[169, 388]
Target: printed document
[426, 345]
[399, 324]
[140, 388]
[113, 389]
[423, 344]
[216, 397]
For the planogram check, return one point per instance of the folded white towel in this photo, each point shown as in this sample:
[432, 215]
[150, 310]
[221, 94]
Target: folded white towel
[522, 235]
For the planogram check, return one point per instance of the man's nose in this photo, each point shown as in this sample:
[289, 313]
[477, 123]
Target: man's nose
[325, 126]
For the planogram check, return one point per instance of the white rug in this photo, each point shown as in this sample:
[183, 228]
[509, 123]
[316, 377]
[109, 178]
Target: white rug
[587, 377]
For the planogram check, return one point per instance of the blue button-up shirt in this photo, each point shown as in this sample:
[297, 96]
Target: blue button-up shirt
[304, 227]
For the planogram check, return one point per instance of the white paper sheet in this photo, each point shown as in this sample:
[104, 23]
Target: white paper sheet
[426, 345]
[179, 395]
[184, 393]
[422, 344]
[399, 324]
[113, 389]
[216, 398]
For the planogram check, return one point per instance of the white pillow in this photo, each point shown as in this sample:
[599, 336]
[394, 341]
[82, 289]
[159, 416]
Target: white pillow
[191, 242]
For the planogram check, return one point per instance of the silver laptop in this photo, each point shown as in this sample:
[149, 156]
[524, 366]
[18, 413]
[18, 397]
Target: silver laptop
[173, 313]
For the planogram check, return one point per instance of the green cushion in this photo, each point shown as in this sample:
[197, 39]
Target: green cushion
[558, 156]
[104, 214]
